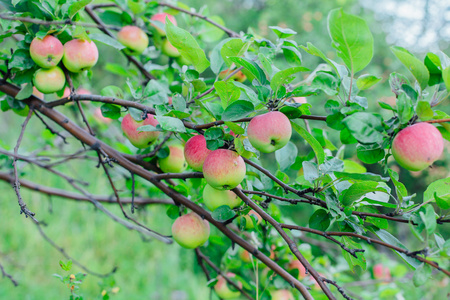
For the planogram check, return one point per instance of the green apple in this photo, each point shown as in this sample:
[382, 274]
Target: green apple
[223, 290]
[168, 49]
[190, 231]
[175, 162]
[269, 132]
[224, 169]
[249, 219]
[134, 38]
[281, 295]
[49, 80]
[215, 198]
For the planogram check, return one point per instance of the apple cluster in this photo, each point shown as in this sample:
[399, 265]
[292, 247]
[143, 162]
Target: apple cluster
[77, 55]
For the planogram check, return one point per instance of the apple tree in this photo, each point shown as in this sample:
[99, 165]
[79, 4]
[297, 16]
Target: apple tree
[219, 126]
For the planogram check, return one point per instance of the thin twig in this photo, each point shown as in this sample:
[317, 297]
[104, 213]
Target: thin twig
[14, 282]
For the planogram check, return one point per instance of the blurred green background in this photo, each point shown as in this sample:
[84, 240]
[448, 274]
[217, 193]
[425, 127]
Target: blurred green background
[148, 269]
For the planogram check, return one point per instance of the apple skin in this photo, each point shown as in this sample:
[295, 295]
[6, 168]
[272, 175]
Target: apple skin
[245, 256]
[49, 80]
[301, 100]
[190, 231]
[215, 198]
[296, 264]
[139, 139]
[381, 272]
[281, 295]
[99, 116]
[249, 221]
[46, 53]
[161, 17]
[196, 152]
[168, 49]
[182, 61]
[418, 146]
[239, 76]
[79, 55]
[134, 38]
[224, 169]
[175, 162]
[269, 132]
[222, 289]
[37, 93]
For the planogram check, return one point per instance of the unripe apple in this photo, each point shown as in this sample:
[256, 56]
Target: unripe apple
[139, 139]
[224, 169]
[196, 152]
[418, 146]
[245, 256]
[168, 49]
[175, 162]
[79, 55]
[49, 80]
[99, 116]
[296, 264]
[134, 38]
[161, 17]
[381, 272]
[239, 76]
[215, 198]
[182, 61]
[249, 220]
[190, 231]
[46, 53]
[269, 132]
[281, 295]
[223, 290]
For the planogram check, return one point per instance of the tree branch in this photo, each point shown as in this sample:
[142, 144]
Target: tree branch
[4, 274]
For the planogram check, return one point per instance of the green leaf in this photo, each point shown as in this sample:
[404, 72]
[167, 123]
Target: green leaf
[286, 155]
[392, 240]
[429, 219]
[25, 92]
[351, 260]
[21, 60]
[237, 110]
[284, 77]
[442, 202]
[326, 82]
[107, 40]
[358, 190]
[214, 138]
[369, 154]
[227, 91]
[211, 33]
[400, 188]
[414, 65]
[367, 128]
[422, 274]
[235, 128]
[351, 38]
[171, 124]
[112, 91]
[424, 111]
[233, 48]
[77, 6]
[367, 81]
[282, 32]
[311, 49]
[315, 145]
[320, 220]
[187, 46]
[439, 188]
[223, 213]
[110, 111]
[433, 64]
[446, 78]
[251, 67]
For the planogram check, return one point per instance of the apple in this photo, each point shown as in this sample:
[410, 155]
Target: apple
[269, 132]
[215, 198]
[300, 100]
[196, 152]
[182, 61]
[139, 139]
[418, 146]
[66, 92]
[296, 264]
[190, 231]
[224, 169]
[239, 76]
[82, 91]
[79, 55]
[281, 295]
[245, 256]
[169, 99]
[99, 116]
[49, 80]
[381, 272]
[37, 93]
[134, 38]
[161, 17]
[316, 284]
[46, 52]
[249, 220]
[168, 49]
[222, 289]
[175, 162]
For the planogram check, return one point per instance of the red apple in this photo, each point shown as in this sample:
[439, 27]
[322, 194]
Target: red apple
[245, 256]
[79, 55]
[296, 264]
[239, 76]
[301, 100]
[196, 152]
[46, 52]
[168, 49]
[134, 38]
[49, 80]
[269, 132]
[161, 17]
[224, 169]
[222, 289]
[418, 146]
[381, 272]
[175, 162]
[215, 198]
[281, 295]
[140, 139]
[190, 231]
